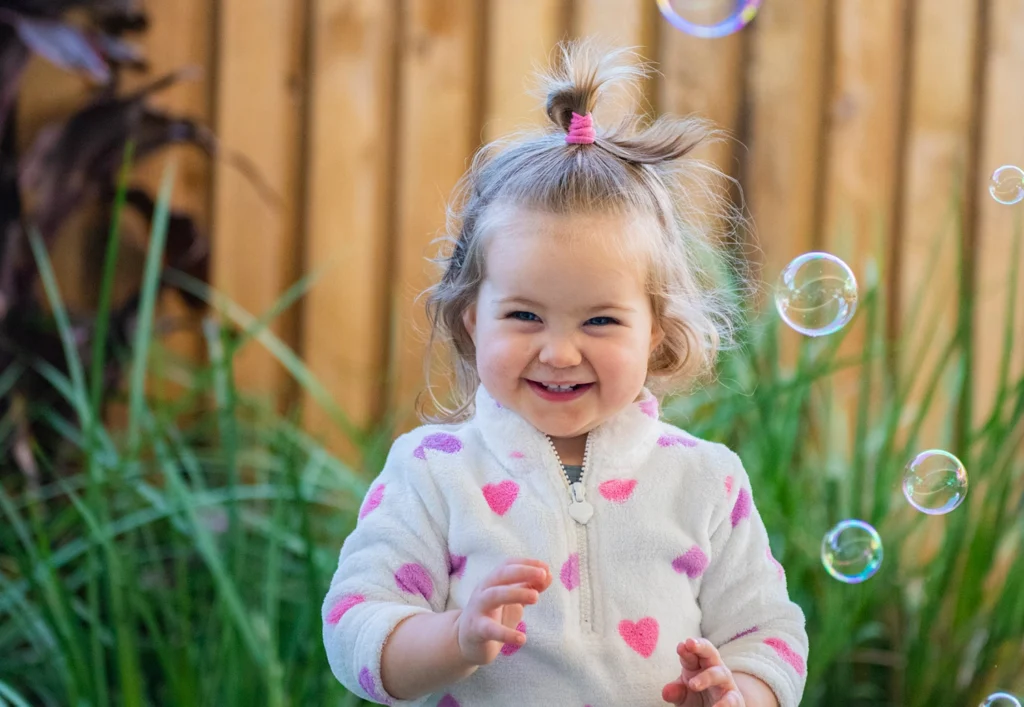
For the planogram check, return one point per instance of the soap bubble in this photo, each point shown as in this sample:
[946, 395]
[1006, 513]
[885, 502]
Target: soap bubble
[816, 294]
[1000, 699]
[935, 482]
[1007, 185]
[709, 19]
[852, 551]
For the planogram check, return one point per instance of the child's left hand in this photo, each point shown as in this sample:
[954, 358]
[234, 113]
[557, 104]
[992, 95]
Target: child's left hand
[705, 679]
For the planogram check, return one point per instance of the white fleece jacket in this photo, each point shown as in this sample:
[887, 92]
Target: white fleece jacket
[675, 549]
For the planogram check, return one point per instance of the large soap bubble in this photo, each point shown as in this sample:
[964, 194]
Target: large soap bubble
[816, 294]
[935, 482]
[709, 19]
[1007, 185]
[852, 551]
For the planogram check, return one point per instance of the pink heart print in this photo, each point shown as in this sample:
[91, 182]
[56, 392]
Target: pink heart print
[787, 654]
[641, 636]
[510, 648]
[413, 578]
[373, 500]
[441, 441]
[744, 504]
[367, 682]
[456, 565]
[676, 441]
[342, 606]
[500, 497]
[778, 566]
[448, 701]
[570, 573]
[649, 407]
[692, 563]
[741, 634]
[617, 490]
[728, 485]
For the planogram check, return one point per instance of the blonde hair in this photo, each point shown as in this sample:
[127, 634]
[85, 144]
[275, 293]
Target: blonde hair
[634, 169]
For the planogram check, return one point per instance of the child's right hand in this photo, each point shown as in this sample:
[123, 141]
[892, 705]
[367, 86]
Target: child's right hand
[495, 608]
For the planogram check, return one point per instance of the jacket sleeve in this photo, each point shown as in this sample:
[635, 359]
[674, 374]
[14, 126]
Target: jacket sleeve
[746, 610]
[393, 564]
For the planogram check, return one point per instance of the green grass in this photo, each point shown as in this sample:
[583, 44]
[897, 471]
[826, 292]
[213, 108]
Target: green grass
[183, 560]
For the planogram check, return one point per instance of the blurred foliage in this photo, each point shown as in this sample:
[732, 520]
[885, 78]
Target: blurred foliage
[183, 558]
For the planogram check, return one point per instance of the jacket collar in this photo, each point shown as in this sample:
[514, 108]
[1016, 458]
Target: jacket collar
[617, 446]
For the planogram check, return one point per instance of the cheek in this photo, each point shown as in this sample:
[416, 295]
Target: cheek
[501, 354]
[626, 352]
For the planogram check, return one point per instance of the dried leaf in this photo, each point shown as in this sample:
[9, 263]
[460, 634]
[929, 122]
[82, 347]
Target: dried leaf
[12, 255]
[79, 159]
[62, 44]
[14, 57]
[118, 51]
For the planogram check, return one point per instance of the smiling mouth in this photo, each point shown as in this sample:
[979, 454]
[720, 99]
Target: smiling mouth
[559, 391]
[560, 387]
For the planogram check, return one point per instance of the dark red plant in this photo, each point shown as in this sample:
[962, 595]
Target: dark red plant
[71, 165]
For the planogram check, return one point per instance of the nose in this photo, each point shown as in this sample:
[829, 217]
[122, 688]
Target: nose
[560, 352]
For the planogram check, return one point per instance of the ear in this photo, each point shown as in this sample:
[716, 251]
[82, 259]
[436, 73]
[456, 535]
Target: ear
[469, 321]
[657, 336]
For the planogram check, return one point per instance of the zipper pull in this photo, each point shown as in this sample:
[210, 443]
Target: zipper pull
[580, 510]
[578, 492]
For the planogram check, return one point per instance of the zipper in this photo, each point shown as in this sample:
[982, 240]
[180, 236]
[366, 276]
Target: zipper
[581, 511]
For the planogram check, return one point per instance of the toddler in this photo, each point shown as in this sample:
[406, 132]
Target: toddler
[551, 541]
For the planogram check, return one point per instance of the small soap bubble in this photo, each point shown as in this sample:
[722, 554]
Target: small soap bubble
[816, 294]
[709, 19]
[1007, 185]
[1000, 699]
[935, 482]
[852, 551]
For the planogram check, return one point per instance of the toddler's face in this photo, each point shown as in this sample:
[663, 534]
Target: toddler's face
[555, 311]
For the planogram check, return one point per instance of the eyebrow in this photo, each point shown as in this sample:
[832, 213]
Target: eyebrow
[537, 305]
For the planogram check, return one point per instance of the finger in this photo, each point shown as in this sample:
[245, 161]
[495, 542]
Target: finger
[490, 630]
[688, 658]
[718, 676]
[529, 562]
[674, 693]
[496, 597]
[528, 575]
[704, 649]
[730, 699]
[512, 614]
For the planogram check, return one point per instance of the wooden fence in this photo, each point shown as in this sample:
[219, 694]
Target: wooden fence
[857, 121]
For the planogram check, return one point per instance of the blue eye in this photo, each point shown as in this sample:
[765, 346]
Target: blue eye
[524, 316]
[602, 321]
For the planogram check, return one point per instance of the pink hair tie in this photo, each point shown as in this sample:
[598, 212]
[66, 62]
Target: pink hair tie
[581, 130]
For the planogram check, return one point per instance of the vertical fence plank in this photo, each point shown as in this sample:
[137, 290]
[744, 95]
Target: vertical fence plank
[619, 23]
[782, 173]
[937, 156]
[348, 205]
[704, 77]
[438, 131]
[861, 160]
[259, 103]
[522, 35]
[622, 22]
[179, 37]
[1002, 143]
[862, 130]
